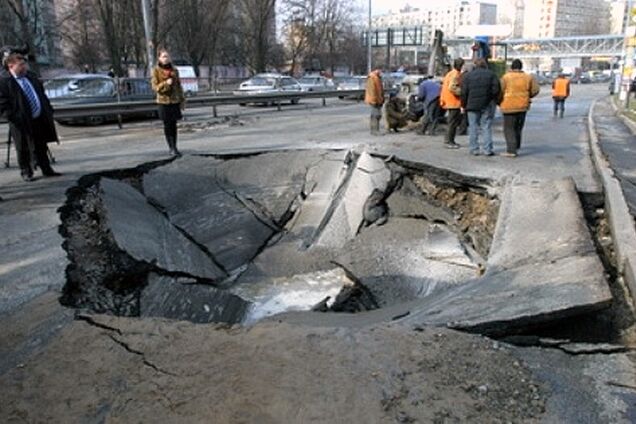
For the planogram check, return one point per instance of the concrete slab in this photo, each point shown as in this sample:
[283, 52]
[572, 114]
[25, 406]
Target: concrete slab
[407, 259]
[300, 292]
[183, 300]
[539, 223]
[557, 274]
[368, 174]
[189, 192]
[145, 234]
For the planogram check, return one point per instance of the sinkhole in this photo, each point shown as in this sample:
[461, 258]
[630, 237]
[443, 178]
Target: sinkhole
[240, 238]
[329, 237]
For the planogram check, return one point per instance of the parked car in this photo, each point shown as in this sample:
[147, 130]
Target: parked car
[542, 79]
[87, 88]
[269, 84]
[352, 83]
[71, 85]
[189, 80]
[316, 83]
[580, 79]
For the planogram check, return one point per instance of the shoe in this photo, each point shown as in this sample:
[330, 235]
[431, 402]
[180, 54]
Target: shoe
[51, 173]
[489, 154]
[508, 155]
[475, 152]
[452, 145]
[28, 177]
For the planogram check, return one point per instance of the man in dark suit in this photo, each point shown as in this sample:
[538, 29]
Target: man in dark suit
[30, 115]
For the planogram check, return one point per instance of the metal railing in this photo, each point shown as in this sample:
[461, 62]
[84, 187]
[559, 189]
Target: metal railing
[72, 111]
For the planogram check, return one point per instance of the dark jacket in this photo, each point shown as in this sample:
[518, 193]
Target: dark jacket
[15, 106]
[396, 116]
[480, 87]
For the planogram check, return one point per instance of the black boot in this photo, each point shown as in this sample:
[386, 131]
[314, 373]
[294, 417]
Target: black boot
[172, 145]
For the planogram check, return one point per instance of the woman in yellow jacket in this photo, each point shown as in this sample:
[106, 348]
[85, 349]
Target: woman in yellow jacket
[517, 88]
[170, 98]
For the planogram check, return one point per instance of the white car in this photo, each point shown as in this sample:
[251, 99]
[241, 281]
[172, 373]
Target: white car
[189, 81]
[316, 83]
[269, 84]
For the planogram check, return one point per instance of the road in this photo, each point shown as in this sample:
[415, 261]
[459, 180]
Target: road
[551, 149]
[33, 265]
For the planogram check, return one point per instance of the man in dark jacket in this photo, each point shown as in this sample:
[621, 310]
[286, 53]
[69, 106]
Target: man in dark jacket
[30, 116]
[428, 92]
[480, 94]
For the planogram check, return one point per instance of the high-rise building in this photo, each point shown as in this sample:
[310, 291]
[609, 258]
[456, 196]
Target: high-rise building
[564, 18]
[618, 16]
[447, 16]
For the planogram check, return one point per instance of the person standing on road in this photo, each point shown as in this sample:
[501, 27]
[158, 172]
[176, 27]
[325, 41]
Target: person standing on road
[374, 97]
[167, 84]
[560, 92]
[517, 88]
[480, 92]
[450, 100]
[30, 115]
[428, 93]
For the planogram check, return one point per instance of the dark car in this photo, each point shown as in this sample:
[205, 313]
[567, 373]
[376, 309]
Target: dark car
[581, 79]
[91, 89]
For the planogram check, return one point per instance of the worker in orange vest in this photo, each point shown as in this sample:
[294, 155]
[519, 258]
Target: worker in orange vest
[560, 92]
[374, 97]
[451, 101]
[517, 88]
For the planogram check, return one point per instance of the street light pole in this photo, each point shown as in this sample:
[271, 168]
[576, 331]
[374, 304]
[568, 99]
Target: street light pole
[145, 7]
[369, 48]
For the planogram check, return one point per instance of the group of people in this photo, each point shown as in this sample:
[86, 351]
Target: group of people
[24, 103]
[470, 96]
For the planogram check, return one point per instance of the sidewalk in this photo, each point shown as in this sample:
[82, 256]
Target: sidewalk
[618, 144]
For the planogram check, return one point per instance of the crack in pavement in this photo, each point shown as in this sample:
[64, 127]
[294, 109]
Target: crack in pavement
[90, 321]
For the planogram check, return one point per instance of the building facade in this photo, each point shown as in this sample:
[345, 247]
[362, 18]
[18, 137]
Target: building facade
[565, 18]
[447, 16]
[618, 16]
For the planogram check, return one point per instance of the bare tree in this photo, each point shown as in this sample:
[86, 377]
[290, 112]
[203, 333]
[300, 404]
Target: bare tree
[196, 26]
[76, 28]
[27, 26]
[315, 31]
[257, 29]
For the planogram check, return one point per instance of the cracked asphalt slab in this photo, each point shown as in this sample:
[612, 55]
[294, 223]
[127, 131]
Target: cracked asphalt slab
[424, 374]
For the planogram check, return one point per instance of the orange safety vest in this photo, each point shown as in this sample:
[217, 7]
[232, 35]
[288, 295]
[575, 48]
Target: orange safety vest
[560, 87]
[448, 99]
[374, 94]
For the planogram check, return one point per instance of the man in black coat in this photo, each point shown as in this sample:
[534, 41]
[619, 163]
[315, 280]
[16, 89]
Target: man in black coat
[30, 115]
[480, 94]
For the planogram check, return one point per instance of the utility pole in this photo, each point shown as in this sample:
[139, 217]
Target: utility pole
[145, 6]
[369, 48]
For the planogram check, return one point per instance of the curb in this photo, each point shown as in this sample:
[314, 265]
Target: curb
[620, 219]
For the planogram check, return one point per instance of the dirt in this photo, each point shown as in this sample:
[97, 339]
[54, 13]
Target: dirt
[476, 212]
[108, 369]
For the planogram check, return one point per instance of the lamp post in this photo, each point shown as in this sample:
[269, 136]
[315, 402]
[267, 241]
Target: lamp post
[145, 7]
[626, 58]
[369, 48]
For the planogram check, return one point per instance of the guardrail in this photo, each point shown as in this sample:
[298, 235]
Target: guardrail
[70, 111]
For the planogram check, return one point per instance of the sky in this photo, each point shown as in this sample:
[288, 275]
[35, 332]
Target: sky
[380, 7]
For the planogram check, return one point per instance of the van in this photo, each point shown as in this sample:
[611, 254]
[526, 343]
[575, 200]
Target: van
[189, 80]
